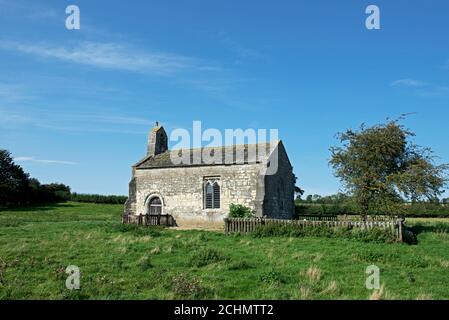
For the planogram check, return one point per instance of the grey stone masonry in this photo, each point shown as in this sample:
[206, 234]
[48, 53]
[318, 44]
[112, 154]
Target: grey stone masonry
[157, 141]
[181, 188]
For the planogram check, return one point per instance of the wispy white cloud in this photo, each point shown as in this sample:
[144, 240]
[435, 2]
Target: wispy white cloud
[218, 85]
[408, 83]
[115, 56]
[12, 93]
[74, 123]
[240, 50]
[422, 88]
[125, 120]
[434, 91]
[33, 159]
[29, 10]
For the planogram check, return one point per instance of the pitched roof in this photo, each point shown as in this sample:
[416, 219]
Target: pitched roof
[252, 153]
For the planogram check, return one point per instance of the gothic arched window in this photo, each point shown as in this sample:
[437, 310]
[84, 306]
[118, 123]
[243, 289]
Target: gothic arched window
[211, 194]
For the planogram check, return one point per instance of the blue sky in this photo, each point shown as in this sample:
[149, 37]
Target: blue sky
[76, 106]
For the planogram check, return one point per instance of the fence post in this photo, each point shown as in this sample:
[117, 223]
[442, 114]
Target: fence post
[401, 229]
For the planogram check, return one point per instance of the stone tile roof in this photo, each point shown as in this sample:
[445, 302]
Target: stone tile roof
[252, 153]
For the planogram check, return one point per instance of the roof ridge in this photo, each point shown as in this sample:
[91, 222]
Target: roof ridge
[229, 146]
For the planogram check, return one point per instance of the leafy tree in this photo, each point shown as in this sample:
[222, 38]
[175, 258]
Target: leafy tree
[18, 189]
[298, 191]
[13, 181]
[380, 167]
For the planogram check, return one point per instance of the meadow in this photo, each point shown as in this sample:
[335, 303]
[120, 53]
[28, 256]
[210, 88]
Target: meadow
[125, 262]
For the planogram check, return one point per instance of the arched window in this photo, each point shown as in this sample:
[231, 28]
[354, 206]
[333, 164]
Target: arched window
[155, 206]
[216, 201]
[208, 195]
[211, 194]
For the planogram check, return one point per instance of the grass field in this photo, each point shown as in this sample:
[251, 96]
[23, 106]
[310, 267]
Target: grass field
[117, 262]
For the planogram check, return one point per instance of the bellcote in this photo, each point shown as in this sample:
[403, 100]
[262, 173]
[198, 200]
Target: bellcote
[157, 140]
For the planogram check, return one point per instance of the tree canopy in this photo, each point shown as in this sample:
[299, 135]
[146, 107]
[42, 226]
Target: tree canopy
[13, 180]
[17, 188]
[380, 166]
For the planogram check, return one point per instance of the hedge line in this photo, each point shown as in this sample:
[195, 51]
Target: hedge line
[409, 210]
[97, 198]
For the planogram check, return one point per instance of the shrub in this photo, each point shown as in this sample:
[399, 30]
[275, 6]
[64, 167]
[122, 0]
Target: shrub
[204, 257]
[240, 211]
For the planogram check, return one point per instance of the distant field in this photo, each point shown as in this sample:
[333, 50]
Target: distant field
[427, 220]
[117, 262]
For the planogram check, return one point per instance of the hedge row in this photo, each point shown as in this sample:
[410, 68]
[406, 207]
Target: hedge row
[97, 198]
[408, 210]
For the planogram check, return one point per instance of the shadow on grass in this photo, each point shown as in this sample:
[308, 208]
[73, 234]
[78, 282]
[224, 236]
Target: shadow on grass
[40, 207]
[438, 227]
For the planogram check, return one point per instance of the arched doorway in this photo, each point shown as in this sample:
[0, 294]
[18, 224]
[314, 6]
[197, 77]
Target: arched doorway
[155, 206]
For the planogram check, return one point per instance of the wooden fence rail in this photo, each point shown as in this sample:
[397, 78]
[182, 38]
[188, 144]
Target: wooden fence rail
[316, 217]
[149, 219]
[243, 225]
[369, 218]
[340, 217]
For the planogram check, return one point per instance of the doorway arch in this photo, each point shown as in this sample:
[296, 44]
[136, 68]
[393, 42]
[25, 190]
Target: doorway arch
[154, 204]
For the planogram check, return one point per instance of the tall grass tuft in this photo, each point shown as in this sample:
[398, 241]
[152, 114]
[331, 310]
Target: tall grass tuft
[204, 257]
[187, 287]
[313, 274]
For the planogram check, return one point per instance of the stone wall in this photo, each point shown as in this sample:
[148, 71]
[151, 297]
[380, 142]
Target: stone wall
[181, 191]
[279, 187]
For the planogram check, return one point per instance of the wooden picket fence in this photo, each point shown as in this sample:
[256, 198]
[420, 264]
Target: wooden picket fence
[244, 225]
[369, 218]
[316, 217]
[319, 217]
[149, 219]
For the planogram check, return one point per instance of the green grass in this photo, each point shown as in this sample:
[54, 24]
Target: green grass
[125, 262]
